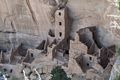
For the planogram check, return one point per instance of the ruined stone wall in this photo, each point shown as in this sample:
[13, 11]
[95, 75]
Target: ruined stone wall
[76, 49]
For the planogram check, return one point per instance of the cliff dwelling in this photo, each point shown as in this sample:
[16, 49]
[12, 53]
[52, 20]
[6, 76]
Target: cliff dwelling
[38, 36]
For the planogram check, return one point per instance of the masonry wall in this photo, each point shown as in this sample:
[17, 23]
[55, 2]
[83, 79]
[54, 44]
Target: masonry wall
[61, 23]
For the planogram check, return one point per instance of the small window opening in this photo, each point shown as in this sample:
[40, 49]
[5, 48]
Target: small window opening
[60, 33]
[88, 64]
[60, 23]
[25, 66]
[67, 52]
[90, 58]
[59, 13]
[31, 54]
[11, 71]
[5, 70]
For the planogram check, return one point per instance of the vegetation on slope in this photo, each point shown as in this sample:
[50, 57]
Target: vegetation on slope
[119, 4]
[118, 78]
[118, 50]
[59, 74]
[118, 54]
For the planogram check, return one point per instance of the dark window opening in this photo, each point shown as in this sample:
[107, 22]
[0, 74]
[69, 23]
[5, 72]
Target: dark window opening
[60, 23]
[90, 58]
[31, 54]
[60, 33]
[25, 66]
[67, 52]
[88, 64]
[5, 70]
[11, 71]
[59, 13]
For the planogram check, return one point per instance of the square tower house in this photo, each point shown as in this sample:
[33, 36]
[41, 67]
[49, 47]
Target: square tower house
[61, 23]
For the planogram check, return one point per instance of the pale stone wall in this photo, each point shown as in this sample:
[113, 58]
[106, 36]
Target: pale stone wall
[60, 23]
[76, 48]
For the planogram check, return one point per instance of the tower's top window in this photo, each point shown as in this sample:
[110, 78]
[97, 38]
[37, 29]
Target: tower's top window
[59, 13]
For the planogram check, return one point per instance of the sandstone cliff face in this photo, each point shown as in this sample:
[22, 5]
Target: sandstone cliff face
[24, 16]
[28, 21]
[87, 13]
[23, 20]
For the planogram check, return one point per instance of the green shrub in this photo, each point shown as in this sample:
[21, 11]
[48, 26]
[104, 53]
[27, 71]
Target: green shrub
[118, 77]
[118, 54]
[119, 4]
[59, 74]
[118, 50]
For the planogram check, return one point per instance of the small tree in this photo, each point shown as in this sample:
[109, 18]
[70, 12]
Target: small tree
[118, 50]
[118, 54]
[118, 77]
[119, 4]
[59, 74]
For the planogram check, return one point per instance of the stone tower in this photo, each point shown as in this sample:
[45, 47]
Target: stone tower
[61, 23]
